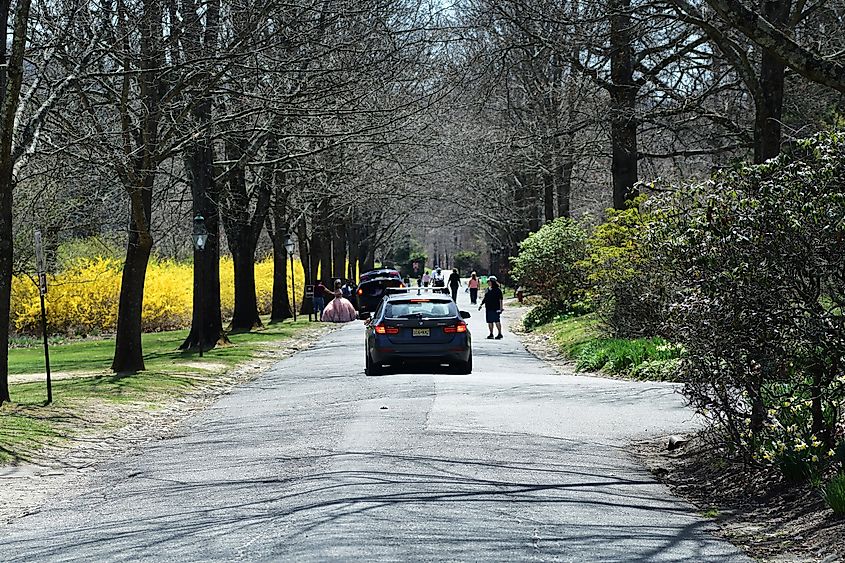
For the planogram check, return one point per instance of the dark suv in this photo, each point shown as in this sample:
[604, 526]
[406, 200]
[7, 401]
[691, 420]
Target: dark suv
[415, 326]
[373, 287]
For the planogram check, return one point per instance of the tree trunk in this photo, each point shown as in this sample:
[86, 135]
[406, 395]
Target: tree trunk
[769, 104]
[281, 306]
[316, 256]
[563, 173]
[6, 261]
[363, 249]
[623, 126]
[564, 186]
[236, 219]
[549, 193]
[276, 220]
[128, 351]
[206, 317]
[245, 316]
[11, 78]
[369, 261]
[278, 228]
[817, 404]
[201, 39]
[535, 220]
[353, 238]
[306, 249]
[339, 251]
[326, 261]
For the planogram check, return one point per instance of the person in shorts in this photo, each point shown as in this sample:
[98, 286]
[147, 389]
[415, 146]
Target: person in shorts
[493, 303]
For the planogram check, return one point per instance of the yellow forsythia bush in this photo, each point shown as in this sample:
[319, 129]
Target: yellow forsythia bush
[84, 298]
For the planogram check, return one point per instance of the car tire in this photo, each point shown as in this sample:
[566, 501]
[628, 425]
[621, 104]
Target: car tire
[370, 368]
[464, 368]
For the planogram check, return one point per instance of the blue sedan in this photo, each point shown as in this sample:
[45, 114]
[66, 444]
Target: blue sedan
[416, 326]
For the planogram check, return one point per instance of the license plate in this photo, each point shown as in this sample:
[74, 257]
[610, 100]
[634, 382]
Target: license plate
[422, 332]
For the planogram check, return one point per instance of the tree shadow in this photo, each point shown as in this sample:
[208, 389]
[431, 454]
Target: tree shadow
[373, 504]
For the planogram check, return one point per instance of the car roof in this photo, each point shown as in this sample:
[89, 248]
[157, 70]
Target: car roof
[381, 271]
[380, 279]
[413, 295]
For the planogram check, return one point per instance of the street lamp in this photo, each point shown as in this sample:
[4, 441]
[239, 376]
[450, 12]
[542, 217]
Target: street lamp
[289, 246]
[200, 233]
[200, 237]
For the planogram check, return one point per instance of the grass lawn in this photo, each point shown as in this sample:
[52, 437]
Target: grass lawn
[26, 424]
[580, 338]
[571, 333]
[161, 351]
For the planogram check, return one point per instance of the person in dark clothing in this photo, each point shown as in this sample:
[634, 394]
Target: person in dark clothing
[493, 303]
[454, 284]
[348, 290]
[320, 292]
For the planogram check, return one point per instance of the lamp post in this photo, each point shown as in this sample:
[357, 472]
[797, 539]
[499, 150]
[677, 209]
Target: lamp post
[200, 237]
[42, 291]
[289, 246]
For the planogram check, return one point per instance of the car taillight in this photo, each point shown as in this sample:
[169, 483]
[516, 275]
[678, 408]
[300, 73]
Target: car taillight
[382, 329]
[460, 327]
[360, 292]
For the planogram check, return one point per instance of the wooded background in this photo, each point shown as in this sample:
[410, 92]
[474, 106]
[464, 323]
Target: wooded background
[354, 126]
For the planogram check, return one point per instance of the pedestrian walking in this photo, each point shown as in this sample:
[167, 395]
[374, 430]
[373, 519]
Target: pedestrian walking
[493, 303]
[473, 284]
[426, 279]
[437, 278]
[454, 283]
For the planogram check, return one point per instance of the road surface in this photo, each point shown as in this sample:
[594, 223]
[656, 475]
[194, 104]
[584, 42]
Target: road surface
[315, 461]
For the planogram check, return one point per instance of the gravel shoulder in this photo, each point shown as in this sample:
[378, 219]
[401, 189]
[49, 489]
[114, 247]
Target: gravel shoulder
[769, 520]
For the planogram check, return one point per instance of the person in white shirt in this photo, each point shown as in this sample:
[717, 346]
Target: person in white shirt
[437, 279]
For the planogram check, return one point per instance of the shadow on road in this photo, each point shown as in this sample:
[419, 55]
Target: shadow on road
[340, 509]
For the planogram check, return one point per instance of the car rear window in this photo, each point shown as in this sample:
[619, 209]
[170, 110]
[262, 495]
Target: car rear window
[420, 308]
[375, 288]
[379, 274]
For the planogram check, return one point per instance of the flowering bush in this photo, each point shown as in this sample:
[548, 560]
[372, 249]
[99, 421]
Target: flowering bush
[758, 272]
[83, 298]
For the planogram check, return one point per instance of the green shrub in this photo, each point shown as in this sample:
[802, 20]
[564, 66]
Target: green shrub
[757, 273]
[624, 356]
[547, 262]
[624, 284]
[834, 494]
[541, 314]
[467, 261]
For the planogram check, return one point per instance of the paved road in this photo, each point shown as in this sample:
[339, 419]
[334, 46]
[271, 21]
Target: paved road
[510, 463]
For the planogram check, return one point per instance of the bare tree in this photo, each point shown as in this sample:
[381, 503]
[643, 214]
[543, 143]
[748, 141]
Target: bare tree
[30, 87]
